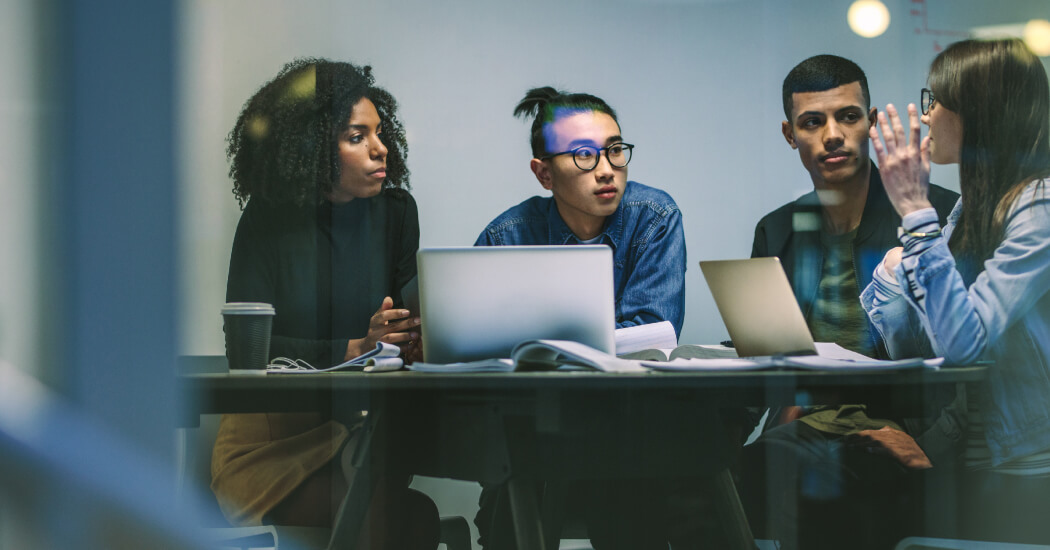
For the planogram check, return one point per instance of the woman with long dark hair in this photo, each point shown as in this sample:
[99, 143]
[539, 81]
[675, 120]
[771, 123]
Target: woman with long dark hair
[328, 236]
[979, 288]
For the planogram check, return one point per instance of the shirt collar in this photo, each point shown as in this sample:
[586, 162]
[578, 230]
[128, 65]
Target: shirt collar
[611, 234]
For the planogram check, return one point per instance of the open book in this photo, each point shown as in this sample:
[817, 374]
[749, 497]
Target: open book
[657, 342]
[561, 354]
[648, 336]
[541, 355]
[795, 362]
[385, 357]
[685, 351]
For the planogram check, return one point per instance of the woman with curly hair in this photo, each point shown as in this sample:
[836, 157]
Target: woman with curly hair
[328, 235]
[979, 288]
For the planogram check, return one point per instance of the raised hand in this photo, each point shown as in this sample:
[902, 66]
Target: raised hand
[904, 161]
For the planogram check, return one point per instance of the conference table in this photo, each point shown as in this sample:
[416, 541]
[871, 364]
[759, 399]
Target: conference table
[519, 428]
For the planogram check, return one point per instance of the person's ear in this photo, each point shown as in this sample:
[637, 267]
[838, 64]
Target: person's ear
[789, 133]
[873, 117]
[542, 170]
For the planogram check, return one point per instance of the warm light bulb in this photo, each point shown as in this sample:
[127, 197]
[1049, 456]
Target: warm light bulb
[868, 18]
[1037, 36]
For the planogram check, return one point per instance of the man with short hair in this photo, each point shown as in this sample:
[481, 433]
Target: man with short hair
[830, 241]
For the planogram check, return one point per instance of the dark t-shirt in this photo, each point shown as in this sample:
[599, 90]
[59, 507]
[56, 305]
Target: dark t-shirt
[325, 268]
[836, 315]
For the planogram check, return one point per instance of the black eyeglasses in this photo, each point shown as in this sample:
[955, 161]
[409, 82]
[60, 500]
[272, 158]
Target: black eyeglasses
[927, 101]
[586, 156]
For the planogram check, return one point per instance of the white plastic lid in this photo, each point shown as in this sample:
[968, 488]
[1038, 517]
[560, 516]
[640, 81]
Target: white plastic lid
[247, 308]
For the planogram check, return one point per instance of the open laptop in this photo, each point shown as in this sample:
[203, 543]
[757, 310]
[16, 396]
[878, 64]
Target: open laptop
[758, 307]
[479, 302]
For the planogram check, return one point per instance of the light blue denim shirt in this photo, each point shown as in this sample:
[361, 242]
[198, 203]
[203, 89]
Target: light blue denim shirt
[1003, 316]
[645, 233]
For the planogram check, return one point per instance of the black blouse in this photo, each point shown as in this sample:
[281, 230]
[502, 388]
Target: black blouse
[325, 268]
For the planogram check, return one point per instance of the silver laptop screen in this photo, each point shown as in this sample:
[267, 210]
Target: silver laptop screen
[479, 302]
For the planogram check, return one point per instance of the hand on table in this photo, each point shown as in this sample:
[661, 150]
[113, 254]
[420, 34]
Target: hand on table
[387, 325]
[790, 414]
[904, 163]
[413, 351]
[893, 443]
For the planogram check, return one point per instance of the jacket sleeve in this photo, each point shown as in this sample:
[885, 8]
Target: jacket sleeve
[897, 324]
[965, 322]
[655, 289]
[941, 433]
[488, 237]
[484, 239]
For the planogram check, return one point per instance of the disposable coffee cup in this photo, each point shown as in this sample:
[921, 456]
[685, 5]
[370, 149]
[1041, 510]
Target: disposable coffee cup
[247, 326]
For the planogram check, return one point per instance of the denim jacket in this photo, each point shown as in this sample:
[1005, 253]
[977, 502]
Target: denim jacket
[1004, 316]
[645, 233]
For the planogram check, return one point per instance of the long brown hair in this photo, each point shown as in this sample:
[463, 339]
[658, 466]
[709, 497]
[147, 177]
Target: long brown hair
[1000, 91]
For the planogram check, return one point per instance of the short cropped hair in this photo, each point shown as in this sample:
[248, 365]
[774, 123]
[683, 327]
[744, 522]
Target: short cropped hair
[821, 73]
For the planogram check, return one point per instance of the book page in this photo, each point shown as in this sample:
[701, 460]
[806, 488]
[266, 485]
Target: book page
[572, 353]
[832, 350]
[684, 351]
[651, 354]
[689, 351]
[816, 362]
[484, 365]
[800, 362]
[643, 337]
[711, 364]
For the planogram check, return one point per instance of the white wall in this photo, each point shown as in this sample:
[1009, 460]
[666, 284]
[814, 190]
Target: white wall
[22, 113]
[696, 85]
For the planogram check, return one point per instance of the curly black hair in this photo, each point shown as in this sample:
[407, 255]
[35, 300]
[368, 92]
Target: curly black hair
[284, 146]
